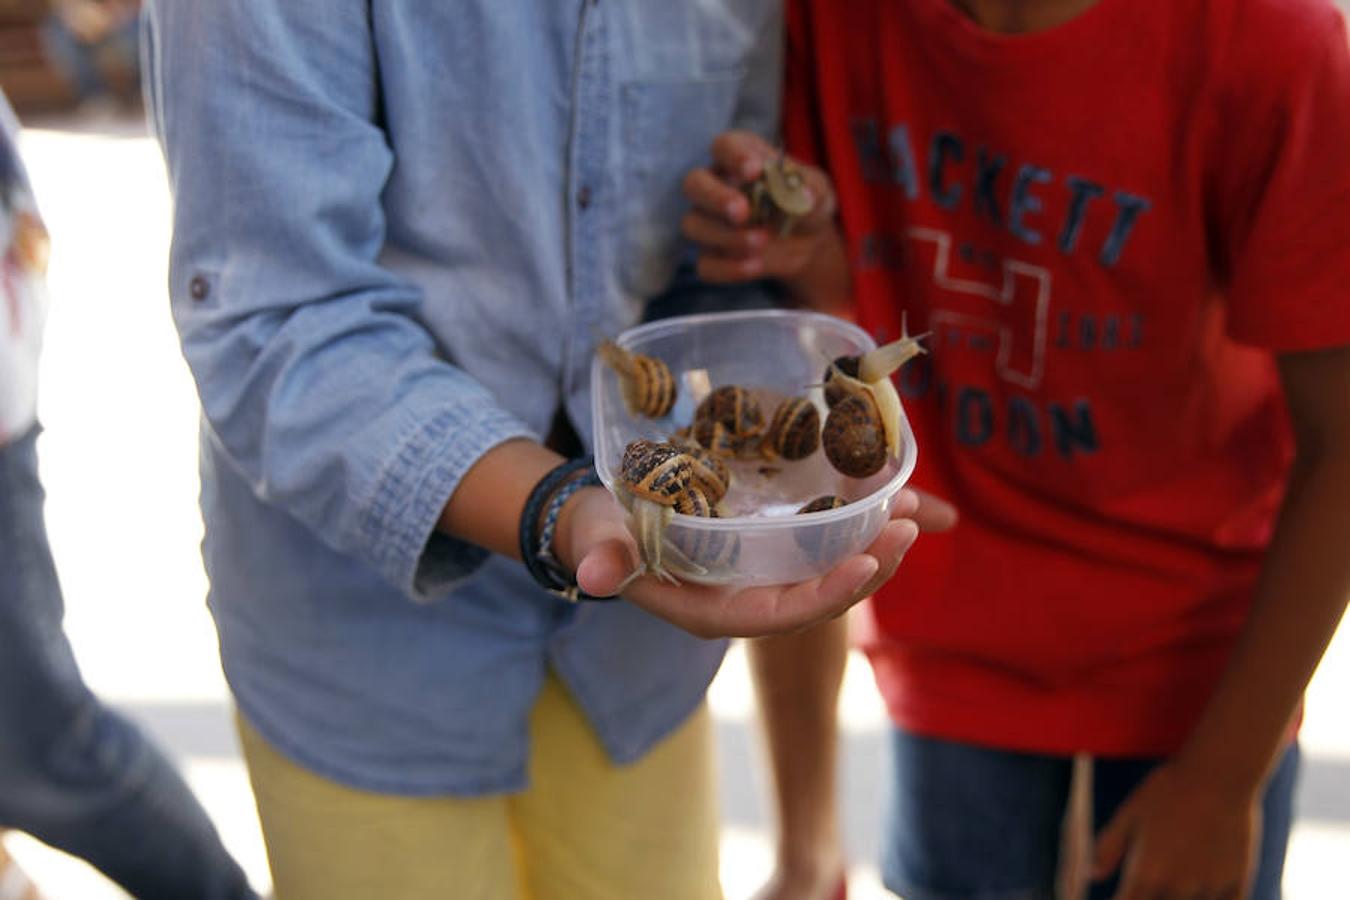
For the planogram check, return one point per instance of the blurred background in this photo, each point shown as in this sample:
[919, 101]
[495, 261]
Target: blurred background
[119, 462]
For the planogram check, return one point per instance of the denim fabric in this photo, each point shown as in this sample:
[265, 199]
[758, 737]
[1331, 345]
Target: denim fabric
[973, 823]
[399, 229]
[73, 773]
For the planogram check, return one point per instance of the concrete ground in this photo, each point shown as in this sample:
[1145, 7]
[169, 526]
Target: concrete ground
[119, 462]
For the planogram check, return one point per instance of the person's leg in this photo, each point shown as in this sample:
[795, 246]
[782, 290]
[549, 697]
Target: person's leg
[973, 823]
[73, 773]
[1115, 779]
[326, 841]
[74, 60]
[118, 58]
[588, 828]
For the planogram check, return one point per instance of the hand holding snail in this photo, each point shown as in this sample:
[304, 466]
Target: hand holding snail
[756, 213]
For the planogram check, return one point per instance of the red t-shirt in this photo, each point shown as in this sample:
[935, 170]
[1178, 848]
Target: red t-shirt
[1107, 227]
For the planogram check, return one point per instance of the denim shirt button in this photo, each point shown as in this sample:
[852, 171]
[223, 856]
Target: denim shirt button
[199, 288]
[584, 197]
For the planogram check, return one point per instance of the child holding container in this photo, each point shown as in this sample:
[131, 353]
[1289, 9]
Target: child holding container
[1126, 228]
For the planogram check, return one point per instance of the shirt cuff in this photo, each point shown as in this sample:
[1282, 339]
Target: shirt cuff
[400, 522]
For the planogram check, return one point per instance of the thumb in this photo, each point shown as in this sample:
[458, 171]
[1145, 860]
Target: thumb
[934, 514]
[1112, 842]
[605, 567]
[741, 154]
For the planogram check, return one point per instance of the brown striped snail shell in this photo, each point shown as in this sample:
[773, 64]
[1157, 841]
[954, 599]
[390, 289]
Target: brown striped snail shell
[711, 554]
[716, 438]
[646, 382]
[821, 504]
[732, 407]
[831, 541]
[656, 472]
[693, 502]
[836, 388]
[794, 431]
[711, 475]
[779, 196]
[854, 438]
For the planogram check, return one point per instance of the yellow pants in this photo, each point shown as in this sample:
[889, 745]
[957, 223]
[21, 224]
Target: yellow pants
[585, 829]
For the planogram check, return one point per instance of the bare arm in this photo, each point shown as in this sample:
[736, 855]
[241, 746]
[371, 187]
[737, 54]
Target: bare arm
[593, 541]
[1304, 584]
[1191, 827]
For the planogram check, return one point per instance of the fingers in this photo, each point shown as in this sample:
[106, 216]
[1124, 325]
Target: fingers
[605, 567]
[741, 154]
[715, 197]
[1113, 842]
[889, 549]
[805, 604]
[712, 233]
[934, 514]
[729, 254]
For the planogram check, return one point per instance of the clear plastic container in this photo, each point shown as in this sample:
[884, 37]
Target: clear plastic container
[774, 354]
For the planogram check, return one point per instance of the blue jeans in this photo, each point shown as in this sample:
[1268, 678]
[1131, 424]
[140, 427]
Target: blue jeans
[73, 773]
[980, 824]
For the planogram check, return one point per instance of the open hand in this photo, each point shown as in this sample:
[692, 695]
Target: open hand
[594, 540]
[1178, 835]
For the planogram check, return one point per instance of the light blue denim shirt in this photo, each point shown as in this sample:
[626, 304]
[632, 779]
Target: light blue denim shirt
[398, 228]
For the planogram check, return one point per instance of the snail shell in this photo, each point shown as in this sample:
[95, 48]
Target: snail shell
[647, 384]
[837, 388]
[794, 431]
[854, 437]
[831, 541]
[734, 409]
[693, 502]
[656, 472]
[711, 555]
[711, 475]
[716, 438]
[779, 195]
[821, 504]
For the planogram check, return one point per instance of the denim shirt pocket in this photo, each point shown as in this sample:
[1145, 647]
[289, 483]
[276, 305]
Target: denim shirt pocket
[668, 128]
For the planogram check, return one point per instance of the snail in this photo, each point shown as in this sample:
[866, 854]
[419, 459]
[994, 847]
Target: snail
[647, 385]
[834, 387]
[708, 554]
[830, 541]
[779, 196]
[711, 475]
[855, 436]
[872, 405]
[821, 504]
[729, 423]
[654, 477]
[734, 409]
[794, 430]
[694, 502]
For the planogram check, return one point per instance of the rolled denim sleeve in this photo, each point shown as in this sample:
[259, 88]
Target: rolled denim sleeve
[315, 374]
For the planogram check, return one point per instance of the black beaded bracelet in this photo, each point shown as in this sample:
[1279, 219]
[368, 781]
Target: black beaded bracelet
[539, 519]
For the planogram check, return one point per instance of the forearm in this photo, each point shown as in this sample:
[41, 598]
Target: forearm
[486, 506]
[797, 679]
[1300, 599]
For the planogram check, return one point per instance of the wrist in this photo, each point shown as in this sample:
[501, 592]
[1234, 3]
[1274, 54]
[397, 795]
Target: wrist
[1222, 772]
[539, 526]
